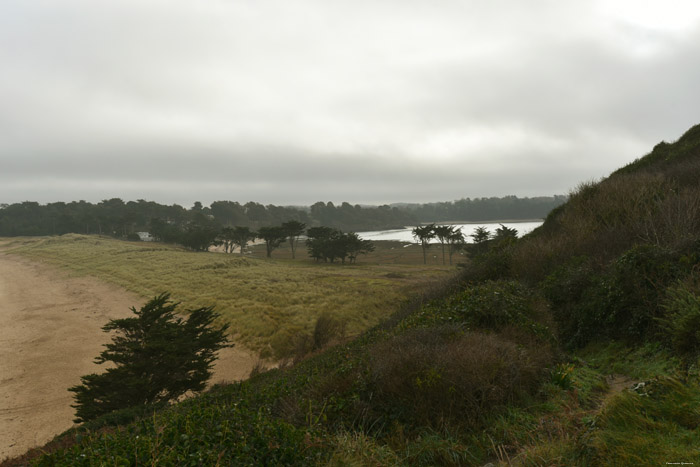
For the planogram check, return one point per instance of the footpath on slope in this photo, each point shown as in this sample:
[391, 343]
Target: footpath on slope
[50, 333]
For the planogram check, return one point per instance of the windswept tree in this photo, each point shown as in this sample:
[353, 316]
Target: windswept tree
[293, 229]
[443, 232]
[329, 244]
[273, 237]
[318, 241]
[200, 237]
[241, 236]
[480, 238]
[455, 242]
[424, 233]
[225, 238]
[357, 246]
[505, 235]
[481, 234]
[156, 357]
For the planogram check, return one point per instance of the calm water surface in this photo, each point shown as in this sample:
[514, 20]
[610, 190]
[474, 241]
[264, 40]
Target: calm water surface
[404, 235]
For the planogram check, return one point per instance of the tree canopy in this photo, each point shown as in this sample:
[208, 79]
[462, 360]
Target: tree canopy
[424, 233]
[157, 357]
[273, 236]
[328, 244]
[293, 229]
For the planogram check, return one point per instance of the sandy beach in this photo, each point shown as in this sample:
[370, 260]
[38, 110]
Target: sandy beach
[49, 337]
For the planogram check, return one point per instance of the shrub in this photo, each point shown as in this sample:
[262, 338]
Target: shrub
[621, 301]
[443, 375]
[497, 305]
[327, 329]
[682, 321]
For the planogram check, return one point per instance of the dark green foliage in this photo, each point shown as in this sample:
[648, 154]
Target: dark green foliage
[492, 305]
[347, 217]
[240, 237]
[328, 244]
[200, 234]
[165, 231]
[480, 239]
[157, 357]
[116, 218]
[221, 428]
[273, 236]
[505, 235]
[293, 229]
[682, 320]
[442, 233]
[494, 264]
[486, 209]
[424, 233]
[665, 155]
[435, 376]
[622, 300]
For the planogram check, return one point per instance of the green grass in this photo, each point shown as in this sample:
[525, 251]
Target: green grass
[266, 302]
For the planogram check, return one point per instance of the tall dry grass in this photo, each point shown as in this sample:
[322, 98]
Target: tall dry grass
[267, 303]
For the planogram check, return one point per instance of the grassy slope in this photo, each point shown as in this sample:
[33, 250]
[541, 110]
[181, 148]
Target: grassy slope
[266, 301]
[610, 269]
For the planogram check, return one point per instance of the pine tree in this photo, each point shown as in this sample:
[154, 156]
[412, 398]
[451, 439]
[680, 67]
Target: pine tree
[157, 357]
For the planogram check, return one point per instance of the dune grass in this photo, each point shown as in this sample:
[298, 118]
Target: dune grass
[266, 302]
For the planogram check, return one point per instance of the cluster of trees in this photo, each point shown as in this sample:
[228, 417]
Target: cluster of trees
[118, 218]
[446, 235]
[323, 243]
[485, 209]
[453, 238]
[357, 218]
[328, 244]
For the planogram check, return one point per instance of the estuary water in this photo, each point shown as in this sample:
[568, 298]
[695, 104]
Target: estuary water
[404, 235]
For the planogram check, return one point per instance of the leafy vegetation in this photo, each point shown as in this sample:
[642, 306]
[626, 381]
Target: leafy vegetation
[485, 209]
[156, 356]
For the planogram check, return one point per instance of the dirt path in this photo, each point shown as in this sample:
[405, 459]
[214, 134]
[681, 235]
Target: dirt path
[616, 384]
[49, 336]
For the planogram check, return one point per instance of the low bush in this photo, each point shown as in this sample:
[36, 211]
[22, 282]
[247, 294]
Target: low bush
[682, 321]
[622, 300]
[505, 306]
[443, 375]
[328, 328]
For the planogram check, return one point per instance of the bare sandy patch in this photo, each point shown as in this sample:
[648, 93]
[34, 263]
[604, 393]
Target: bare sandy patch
[49, 336]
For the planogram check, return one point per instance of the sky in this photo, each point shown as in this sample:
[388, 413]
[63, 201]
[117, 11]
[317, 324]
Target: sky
[367, 101]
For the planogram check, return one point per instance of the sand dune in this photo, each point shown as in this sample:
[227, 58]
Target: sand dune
[49, 336]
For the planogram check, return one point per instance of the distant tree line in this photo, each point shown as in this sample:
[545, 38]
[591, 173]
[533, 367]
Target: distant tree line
[118, 218]
[485, 209]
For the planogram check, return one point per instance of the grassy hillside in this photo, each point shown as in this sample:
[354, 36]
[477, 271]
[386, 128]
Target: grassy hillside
[576, 345]
[266, 302]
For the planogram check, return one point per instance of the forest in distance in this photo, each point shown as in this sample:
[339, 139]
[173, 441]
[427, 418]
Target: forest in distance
[118, 218]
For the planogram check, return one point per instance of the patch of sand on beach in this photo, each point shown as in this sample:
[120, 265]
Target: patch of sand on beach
[50, 333]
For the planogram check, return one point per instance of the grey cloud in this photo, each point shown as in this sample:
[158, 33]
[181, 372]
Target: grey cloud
[292, 102]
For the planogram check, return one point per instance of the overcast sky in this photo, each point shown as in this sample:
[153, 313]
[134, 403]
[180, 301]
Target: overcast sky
[366, 101]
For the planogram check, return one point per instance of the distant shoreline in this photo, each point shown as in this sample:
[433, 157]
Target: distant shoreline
[497, 221]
